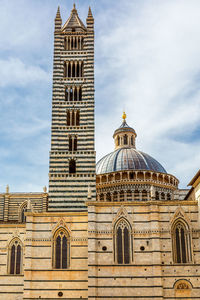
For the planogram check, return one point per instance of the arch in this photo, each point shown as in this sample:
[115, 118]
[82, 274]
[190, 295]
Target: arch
[136, 195]
[162, 196]
[129, 195]
[122, 242]
[121, 196]
[101, 197]
[168, 196]
[103, 178]
[61, 249]
[140, 175]
[118, 140]
[125, 139]
[144, 195]
[22, 210]
[182, 289]
[132, 140]
[115, 196]
[108, 197]
[110, 177]
[157, 196]
[117, 176]
[72, 143]
[181, 242]
[15, 257]
[73, 117]
[124, 175]
[72, 166]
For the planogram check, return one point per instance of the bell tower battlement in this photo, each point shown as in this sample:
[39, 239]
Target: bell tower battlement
[72, 156]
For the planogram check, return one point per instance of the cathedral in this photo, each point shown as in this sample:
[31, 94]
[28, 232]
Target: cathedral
[118, 229]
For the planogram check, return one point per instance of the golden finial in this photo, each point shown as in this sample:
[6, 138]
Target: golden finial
[124, 116]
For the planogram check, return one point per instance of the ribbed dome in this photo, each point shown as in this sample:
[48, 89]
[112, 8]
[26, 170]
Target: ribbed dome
[127, 159]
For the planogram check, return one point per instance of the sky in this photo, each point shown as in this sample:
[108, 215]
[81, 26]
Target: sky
[147, 63]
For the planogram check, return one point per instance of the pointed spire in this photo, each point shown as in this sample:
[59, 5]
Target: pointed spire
[58, 13]
[58, 20]
[74, 21]
[74, 9]
[90, 13]
[90, 19]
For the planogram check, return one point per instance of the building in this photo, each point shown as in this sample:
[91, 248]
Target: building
[118, 230]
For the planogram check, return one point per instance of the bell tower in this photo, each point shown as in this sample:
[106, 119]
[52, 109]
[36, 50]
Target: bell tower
[72, 155]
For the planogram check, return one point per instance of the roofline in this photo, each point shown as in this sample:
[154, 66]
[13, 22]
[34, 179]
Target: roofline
[188, 194]
[194, 178]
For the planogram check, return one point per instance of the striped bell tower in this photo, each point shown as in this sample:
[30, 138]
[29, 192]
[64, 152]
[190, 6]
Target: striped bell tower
[72, 157]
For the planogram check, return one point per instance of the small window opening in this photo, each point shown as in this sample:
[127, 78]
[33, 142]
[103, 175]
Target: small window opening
[72, 166]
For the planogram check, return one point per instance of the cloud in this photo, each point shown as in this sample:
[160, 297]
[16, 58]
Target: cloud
[16, 73]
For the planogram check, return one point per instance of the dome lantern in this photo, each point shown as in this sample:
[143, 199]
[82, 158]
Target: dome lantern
[124, 136]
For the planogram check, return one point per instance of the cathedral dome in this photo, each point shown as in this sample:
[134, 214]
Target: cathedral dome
[126, 156]
[127, 159]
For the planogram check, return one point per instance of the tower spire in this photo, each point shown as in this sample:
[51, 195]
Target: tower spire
[58, 13]
[90, 13]
[90, 19]
[58, 20]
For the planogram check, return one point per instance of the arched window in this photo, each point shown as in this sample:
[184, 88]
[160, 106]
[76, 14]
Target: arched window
[61, 249]
[15, 257]
[122, 242]
[118, 141]
[108, 197]
[131, 140]
[136, 195]
[129, 195]
[157, 195]
[72, 143]
[181, 242]
[23, 217]
[162, 196]
[73, 69]
[144, 195]
[125, 139]
[101, 197]
[115, 196]
[73, 117]
[73, 42]
[168, 196]
[72, 166]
